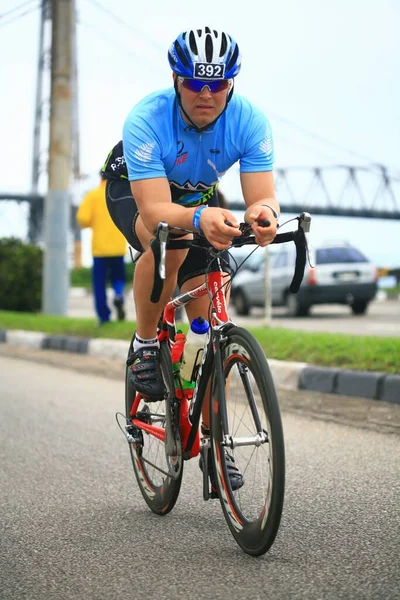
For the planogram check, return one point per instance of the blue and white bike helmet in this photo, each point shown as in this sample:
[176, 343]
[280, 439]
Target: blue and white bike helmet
[205, 54]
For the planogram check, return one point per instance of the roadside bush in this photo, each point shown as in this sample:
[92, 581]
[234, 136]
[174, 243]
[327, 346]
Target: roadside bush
[81, 277]
[20, 276]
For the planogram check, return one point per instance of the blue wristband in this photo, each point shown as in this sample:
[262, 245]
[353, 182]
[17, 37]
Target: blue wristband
[196, 217]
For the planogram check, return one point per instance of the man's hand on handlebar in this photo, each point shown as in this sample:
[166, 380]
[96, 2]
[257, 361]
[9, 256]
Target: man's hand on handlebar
[223, 231]
[258, 216]
[213, 224]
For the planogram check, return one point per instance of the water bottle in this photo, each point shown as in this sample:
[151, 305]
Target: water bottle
[192, 354]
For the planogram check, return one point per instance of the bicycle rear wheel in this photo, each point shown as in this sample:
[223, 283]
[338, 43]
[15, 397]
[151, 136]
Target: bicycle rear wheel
[158, 472]
[253, 435]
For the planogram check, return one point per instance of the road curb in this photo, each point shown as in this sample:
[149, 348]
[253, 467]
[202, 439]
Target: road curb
[289, 375]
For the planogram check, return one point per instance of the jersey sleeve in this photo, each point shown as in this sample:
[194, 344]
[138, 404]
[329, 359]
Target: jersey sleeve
[259, 148]
[142, 150]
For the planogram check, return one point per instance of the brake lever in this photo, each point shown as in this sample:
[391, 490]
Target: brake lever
[305, 224]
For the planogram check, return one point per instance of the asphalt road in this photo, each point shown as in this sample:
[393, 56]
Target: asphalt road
[382, 319]
[73, 524]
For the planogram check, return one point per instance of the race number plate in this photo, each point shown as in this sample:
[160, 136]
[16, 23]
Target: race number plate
[209, 71]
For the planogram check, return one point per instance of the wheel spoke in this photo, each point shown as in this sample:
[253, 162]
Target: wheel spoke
[148, 462]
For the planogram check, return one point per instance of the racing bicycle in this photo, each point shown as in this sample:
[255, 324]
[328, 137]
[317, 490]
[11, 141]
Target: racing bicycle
[232, 374]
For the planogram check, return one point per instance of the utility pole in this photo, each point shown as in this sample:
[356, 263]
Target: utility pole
[76, 167]
[57, 205]
[35, 225]
[45, 14]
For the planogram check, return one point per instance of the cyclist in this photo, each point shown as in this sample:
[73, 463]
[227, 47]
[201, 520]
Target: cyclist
[176, 145]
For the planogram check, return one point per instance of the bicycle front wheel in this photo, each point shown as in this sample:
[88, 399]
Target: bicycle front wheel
[157, 470]
[247, 425]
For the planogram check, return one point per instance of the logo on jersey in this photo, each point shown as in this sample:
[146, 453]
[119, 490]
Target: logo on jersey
[181, 159]
[215, 151]
[181, 156]
[119, 162]
[144, 152]
[266, 144]
[190, 195]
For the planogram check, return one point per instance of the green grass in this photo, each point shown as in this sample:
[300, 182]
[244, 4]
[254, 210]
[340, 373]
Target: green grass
[393, 291]
[79, 326]
[365, 353]
[325, 349]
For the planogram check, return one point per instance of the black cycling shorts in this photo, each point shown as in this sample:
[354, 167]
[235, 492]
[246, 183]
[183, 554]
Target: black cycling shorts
[124, 212]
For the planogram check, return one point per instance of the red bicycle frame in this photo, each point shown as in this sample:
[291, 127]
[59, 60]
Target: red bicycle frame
[219, 314]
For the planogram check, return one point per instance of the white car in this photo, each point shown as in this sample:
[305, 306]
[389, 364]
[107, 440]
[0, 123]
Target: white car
[342, 275]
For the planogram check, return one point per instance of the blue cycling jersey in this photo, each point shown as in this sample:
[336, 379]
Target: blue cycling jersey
[158, 143]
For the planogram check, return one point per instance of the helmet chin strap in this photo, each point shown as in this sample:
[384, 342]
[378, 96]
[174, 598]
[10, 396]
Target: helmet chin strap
[196, 128]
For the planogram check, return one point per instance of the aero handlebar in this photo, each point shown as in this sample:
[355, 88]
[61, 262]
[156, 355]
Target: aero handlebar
[161, 243]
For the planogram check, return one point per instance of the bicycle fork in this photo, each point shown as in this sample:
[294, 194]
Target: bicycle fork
[217, 388]
[227, 439]
[261, 437]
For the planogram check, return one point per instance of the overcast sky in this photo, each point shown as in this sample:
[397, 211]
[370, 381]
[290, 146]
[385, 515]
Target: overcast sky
[326, 74]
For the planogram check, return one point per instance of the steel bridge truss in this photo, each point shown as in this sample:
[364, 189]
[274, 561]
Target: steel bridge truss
[340, 190]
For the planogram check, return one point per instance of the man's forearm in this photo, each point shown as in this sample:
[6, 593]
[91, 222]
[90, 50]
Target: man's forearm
[174, 215]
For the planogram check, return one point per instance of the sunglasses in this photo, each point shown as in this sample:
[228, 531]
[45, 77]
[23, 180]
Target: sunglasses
[196, 85]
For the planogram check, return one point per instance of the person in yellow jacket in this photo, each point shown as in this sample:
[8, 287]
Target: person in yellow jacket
[108, 250]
